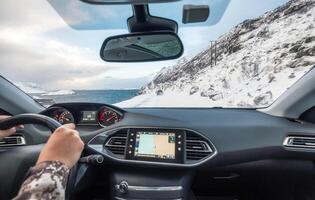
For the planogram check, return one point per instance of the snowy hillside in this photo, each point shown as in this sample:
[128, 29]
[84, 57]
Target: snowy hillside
[30, 88]
[256, 62]
[42, 95]
[33, 88]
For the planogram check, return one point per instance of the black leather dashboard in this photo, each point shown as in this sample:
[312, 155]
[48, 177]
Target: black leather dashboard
[239, 136]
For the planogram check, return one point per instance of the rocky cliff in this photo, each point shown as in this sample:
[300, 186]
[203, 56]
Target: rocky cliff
[255, 61]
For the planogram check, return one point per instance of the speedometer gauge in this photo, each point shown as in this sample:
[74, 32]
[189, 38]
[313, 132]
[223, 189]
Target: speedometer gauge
[66, 117]
[107, 117]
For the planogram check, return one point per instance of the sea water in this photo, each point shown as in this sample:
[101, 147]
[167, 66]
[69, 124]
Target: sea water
[94, 96]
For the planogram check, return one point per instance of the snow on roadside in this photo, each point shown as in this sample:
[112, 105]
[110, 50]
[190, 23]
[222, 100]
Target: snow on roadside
[168, 100]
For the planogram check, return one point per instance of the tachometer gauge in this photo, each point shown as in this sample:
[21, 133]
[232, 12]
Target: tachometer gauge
[107, 117]
[66, 117]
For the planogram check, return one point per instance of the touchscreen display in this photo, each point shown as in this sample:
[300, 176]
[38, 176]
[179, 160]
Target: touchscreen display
[155, 145]
[88, 116]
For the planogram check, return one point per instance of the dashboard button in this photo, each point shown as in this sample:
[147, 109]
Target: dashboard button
[122, 187]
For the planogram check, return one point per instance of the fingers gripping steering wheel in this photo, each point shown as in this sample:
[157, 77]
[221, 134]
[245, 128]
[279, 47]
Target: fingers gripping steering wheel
[29, 119]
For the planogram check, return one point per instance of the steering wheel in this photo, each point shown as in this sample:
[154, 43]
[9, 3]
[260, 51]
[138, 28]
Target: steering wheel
[29, 119]
[16, 161]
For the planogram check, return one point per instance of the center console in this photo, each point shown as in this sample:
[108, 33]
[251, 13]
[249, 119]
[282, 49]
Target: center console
[152, 161]
[150, 184]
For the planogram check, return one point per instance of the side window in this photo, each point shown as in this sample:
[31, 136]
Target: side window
[3, 112]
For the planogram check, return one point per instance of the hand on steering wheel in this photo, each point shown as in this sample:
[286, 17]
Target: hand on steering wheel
[7, 132]
[64, 145]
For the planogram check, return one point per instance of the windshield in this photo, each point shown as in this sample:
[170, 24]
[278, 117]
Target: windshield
[245, 55]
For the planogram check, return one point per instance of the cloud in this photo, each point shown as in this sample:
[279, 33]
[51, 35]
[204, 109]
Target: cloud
[29, 52]
[37, 45]
[55, 64]
[120, 83]
[51, 63]
[32, 17]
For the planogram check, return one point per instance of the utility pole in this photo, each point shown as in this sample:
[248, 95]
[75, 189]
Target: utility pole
[215, 52]
[211, 49]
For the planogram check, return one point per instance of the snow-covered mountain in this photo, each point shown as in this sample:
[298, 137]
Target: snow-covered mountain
[30, 87]
[59, 92]
[256, 62]
[33, 88]
[41, 95]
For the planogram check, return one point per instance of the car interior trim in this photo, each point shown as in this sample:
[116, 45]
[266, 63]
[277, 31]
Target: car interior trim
[99, 148]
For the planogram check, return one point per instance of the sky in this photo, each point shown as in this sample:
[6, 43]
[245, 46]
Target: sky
[37, 45]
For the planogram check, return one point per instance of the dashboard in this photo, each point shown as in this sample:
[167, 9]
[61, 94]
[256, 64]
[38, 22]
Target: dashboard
[153, 145]
[143, 141]
[179, 137]
[176, 139]
[160, 146]
[85, 114]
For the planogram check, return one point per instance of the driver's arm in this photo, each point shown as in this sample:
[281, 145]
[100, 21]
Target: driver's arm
[48, 178]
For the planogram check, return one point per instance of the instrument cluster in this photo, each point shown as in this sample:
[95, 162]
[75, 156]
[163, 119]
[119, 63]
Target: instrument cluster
[63, 116]
[103, 116]
[107, 116]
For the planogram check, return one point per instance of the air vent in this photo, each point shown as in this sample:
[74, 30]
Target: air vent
[12, 141]
[300, 142]
[116, 143]
[197, 147]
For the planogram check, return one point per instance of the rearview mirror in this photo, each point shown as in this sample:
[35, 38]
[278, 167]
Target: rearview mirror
[142, 47]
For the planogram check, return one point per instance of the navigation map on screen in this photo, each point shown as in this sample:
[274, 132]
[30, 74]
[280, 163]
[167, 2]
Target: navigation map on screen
[155, 145]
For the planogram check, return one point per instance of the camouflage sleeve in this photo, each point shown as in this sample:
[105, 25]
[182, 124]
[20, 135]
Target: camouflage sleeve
[46, 180]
